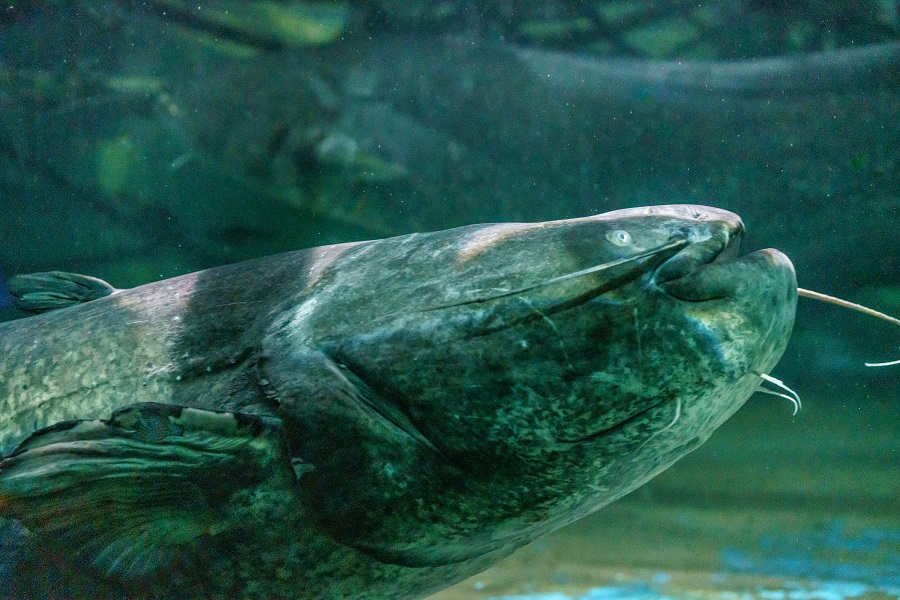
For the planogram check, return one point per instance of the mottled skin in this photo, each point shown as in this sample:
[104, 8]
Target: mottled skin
[436, 422]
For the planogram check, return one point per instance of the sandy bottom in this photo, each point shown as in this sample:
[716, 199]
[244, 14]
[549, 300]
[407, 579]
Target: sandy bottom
[772, 507]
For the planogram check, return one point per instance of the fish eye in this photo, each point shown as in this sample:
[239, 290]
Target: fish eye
[619, 237]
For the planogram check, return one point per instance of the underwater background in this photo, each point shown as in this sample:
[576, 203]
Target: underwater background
[144, 139]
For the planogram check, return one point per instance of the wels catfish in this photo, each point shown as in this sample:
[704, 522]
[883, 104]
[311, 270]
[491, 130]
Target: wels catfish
[370, 420]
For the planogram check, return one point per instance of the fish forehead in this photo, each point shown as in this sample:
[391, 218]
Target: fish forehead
[483, 237]
[696, 212]
[389, 278]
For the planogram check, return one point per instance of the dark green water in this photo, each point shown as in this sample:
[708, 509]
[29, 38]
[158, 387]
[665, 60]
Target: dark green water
[139, 141]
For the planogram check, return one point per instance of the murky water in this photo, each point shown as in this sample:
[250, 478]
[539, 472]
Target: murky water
[141, 140]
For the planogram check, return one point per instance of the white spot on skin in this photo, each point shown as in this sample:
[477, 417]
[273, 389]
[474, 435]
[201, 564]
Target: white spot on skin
[325, 257]
[296, 327]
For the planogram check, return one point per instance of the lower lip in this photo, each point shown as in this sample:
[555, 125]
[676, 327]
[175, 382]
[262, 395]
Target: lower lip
[693, 257]
[694, 287]
[726, 276]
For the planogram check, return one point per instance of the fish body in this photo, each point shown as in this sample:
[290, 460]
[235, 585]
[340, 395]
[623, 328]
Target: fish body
[374, 419]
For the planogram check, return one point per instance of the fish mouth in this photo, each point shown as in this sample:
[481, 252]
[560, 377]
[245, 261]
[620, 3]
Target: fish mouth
[703, 270]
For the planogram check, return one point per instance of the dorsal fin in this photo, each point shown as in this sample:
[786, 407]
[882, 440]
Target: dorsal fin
[42, 292]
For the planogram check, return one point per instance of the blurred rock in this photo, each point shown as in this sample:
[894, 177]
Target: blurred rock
[619, 11]
[273, 23]
[663, 38]
[888, 13]
[414, 11]
[556, 30]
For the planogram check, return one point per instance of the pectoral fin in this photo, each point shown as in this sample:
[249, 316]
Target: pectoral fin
[42, 292]
[125, 493]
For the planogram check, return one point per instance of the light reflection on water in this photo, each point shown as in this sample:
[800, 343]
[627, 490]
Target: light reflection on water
[833, 553]
[826, 590]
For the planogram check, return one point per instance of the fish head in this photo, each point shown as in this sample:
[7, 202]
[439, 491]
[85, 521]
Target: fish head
[550, 367]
